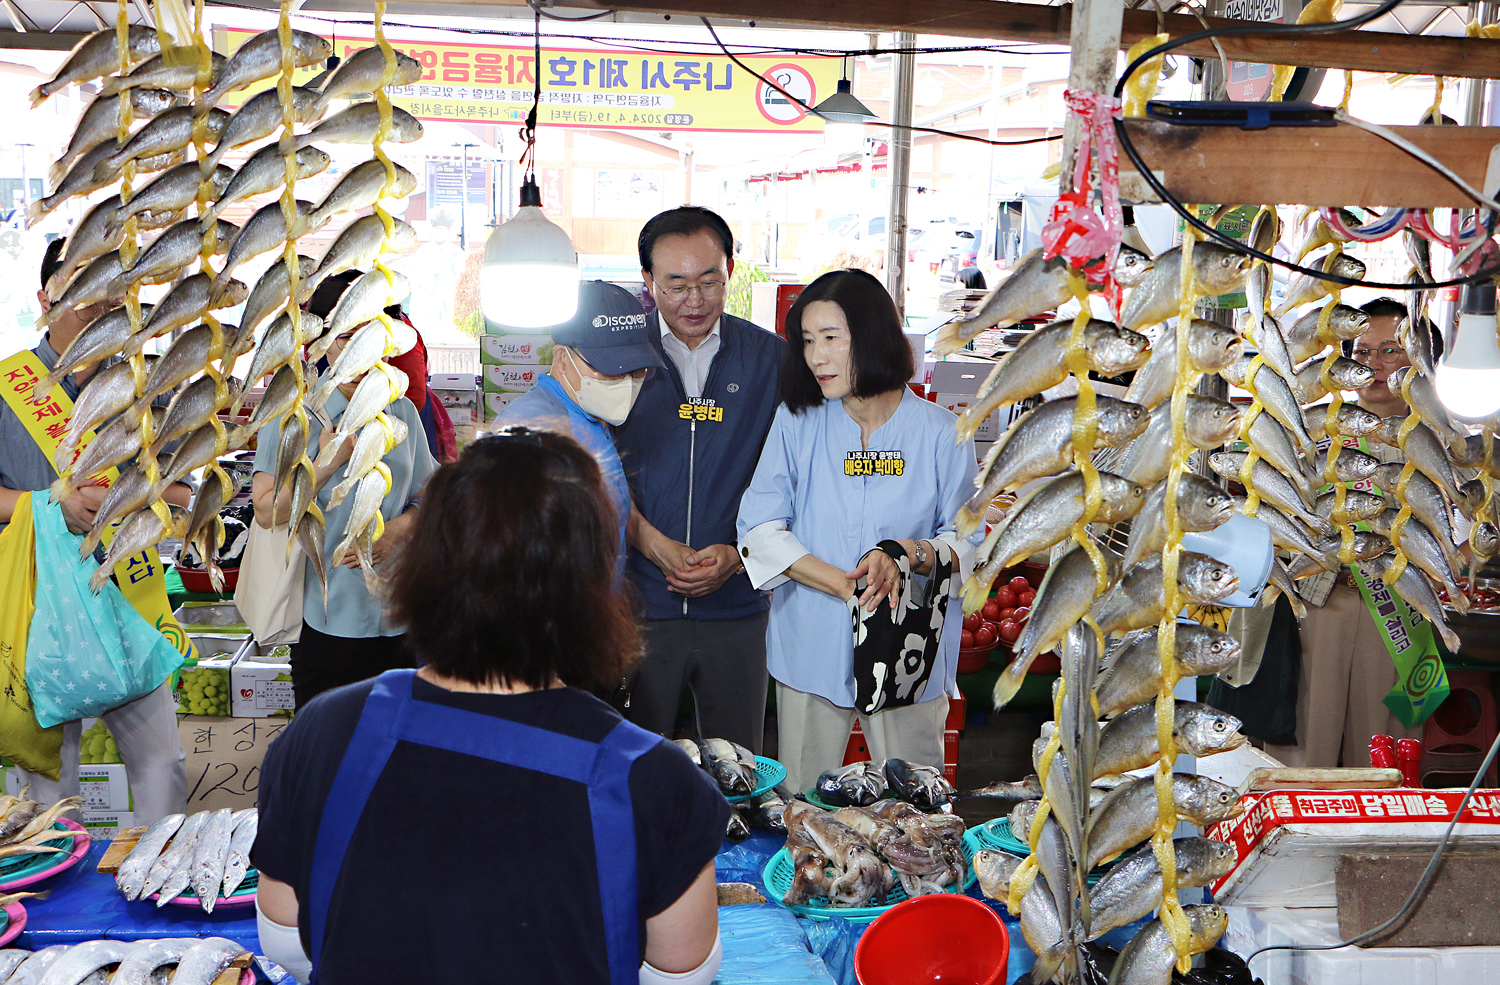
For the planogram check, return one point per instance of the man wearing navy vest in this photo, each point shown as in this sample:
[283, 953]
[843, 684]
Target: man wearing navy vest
[689, 449]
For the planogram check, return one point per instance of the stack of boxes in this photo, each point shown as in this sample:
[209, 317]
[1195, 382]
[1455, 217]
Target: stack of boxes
[511, 365]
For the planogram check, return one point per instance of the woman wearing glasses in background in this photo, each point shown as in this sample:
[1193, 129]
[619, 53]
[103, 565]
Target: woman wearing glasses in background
[1346, 668]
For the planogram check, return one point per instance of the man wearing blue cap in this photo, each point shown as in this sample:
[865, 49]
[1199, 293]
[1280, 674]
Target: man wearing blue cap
[600, 358]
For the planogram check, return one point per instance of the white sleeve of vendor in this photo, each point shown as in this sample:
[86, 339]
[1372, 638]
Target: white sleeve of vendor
[283, 945]
[701, 975]
[957, 468]
[767, 545]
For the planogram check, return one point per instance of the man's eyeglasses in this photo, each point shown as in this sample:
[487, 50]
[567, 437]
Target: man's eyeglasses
[1385, 353]
[709, 290]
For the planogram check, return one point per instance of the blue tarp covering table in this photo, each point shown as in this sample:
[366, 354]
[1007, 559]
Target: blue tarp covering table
[84, 905]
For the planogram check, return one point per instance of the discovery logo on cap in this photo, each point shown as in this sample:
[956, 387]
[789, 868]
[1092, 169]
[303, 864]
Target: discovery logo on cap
[609, 330]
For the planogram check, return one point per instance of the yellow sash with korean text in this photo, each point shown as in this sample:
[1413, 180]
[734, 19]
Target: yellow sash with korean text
[140, 576]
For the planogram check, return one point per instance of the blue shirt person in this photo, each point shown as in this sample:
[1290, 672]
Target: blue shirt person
[600, 359]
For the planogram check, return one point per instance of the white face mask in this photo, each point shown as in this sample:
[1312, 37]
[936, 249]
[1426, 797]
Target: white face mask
[608, 400]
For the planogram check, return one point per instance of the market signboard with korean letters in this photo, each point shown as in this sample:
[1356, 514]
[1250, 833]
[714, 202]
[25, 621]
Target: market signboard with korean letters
[606, 88]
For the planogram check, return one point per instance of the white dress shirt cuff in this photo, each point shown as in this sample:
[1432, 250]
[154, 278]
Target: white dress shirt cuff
[767, 551]
[963, 558]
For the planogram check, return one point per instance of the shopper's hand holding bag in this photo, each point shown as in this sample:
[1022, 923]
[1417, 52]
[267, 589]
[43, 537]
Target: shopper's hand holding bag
[896, 649]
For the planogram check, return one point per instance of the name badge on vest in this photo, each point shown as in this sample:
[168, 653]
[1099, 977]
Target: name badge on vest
[874, 463]
[701, 409]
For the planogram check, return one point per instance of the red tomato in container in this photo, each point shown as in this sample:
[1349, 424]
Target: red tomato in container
[1009, 632]
[1026, 598]
[1019, 584]
[966, 640]
[991, 610]
[1007, 613]
[973, 622]
[1022, 614]
[1005, 598]
[984, 637]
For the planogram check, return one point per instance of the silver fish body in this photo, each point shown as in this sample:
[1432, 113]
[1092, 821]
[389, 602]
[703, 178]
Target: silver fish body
[102, 338]
[1305, 289]
[207, 960]
[187, 354]
[374, 441]
[119, 441]
[128, 494]
[191, 407]
[1132, 889]
[277, 347]
[1139, 599]
[359, 243]
[187, 301]
[1264, 330]
[1418, 592]
[1424, 450]
[96, 283]
[259, 116]
[1035, 285]
[1216, 270]
[1276, 397]
[311, 535]
[107, 393]
[101, 121]
[1129, 741]
[272, 291]
[175, 189]
[1133, 677]
[1484, 540]
[368, 495]
[994, 868]
[1272, 486]
[211, 496]
[1201, 506]
[197, 450]
[266, 172]
[1275, 446]
[1062, 599]
[1128, 815]
[1304, 340]
[1211, 347]
[260, 58]
[1286, 533]
[266, 230]
[141, 965]
[79, 180]
[358, 125]
[82, 960]
[210, 854]
[280, 393]
[98, 232]
[240, 843]
[1351, 465]
[1344, 374]
[97, 55]
[166, 134]
[369, 295]
[1046, 517]
[1358, 505]
[131, 875]
[373, 394]
[138, 532]
[1424, 400]
[362, 72]
[1424, 549]
[361, 187]
[1350, 421]
[176, 853]
[1209, 423]
[10, 960]
[290, 448]
[175, 68]
[1151, 954]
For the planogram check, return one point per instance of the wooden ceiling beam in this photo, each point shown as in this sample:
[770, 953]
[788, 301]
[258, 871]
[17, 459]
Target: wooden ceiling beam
[1369, 51]
[1339, 165]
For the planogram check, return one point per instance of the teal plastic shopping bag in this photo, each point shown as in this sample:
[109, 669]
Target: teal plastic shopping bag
[85, 653]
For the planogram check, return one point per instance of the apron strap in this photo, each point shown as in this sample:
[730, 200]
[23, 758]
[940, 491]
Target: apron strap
[391, 715]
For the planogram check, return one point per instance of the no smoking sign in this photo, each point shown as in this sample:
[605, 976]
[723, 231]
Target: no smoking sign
[774, 105]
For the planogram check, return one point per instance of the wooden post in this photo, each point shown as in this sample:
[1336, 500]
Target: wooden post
[1095, 38]
[899, 164]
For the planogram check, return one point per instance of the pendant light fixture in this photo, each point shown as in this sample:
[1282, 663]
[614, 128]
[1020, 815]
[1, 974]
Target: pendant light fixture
[530, 275]
[844, 118]
[1468, 376]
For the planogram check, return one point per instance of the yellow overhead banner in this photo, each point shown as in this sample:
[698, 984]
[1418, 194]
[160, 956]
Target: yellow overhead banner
[605, 88]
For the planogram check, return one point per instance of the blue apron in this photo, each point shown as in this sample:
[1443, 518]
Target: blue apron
[391, 715]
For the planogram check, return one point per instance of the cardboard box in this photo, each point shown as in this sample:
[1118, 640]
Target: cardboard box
[495, 403]
[223, 759]
[103, 788]
[511, 379]
[213, 674]
[261, 686]
[515, 350]
[459, 395]
[105, 825]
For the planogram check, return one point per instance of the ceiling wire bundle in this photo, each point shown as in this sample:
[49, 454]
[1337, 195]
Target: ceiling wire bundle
[1295, 30]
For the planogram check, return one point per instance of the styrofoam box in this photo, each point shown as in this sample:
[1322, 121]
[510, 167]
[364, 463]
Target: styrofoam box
[1253, 927]
[525, 350]
[988, 430]
[103, 787]
[495, 403]
[260, 687]
[511, 379]
[105, 825]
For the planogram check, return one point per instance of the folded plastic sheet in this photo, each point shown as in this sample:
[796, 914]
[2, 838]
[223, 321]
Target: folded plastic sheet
[764, 944]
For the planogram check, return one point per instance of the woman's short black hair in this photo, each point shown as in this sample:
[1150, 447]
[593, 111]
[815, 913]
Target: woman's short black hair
[510, 575]
[329, 290]
[52, 260]
[880, 358]
[972, 278]
[683, 221]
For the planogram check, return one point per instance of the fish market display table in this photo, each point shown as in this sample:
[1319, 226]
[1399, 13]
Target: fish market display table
[834, 940]
[83, 904]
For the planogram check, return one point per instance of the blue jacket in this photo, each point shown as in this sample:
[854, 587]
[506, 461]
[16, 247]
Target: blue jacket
[681, 454]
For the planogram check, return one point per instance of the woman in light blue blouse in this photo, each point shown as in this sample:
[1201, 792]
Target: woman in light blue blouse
[853, 459]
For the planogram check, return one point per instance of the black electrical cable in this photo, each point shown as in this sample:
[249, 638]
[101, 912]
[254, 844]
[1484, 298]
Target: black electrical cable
[874, 123]
[1238, 30]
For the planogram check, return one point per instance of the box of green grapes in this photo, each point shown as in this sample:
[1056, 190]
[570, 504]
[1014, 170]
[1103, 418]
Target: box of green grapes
[204, 689]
